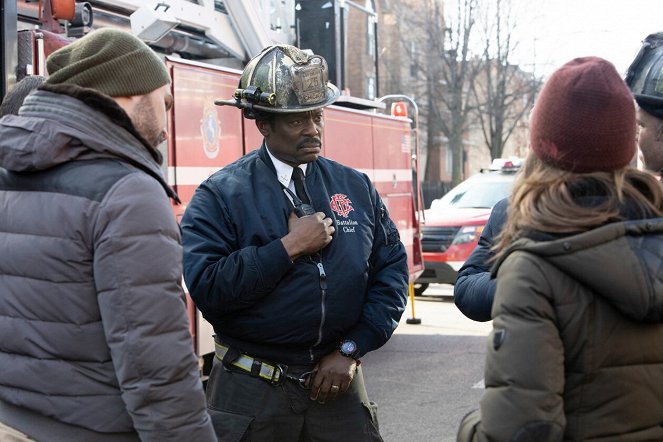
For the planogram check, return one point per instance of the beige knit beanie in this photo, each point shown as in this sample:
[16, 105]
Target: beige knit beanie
[110, 61]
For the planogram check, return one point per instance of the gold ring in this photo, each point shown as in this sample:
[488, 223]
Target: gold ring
[335, 387]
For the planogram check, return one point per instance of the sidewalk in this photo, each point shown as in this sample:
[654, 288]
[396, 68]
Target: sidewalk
[439, 316]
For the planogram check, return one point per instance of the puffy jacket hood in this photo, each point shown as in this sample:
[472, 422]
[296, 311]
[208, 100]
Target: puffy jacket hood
[621, 262]
[62, 123]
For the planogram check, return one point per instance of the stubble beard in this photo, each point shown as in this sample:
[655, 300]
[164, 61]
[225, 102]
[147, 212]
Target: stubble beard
[145, 122]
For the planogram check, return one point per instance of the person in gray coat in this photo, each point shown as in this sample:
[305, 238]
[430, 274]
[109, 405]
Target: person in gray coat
[94, 340]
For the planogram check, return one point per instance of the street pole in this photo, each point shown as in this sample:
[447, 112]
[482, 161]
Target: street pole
[417, 196]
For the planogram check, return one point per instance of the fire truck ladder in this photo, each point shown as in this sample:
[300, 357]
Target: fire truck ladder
[237, 26]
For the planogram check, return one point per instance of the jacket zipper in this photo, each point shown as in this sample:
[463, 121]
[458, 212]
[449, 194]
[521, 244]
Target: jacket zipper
[323, 289]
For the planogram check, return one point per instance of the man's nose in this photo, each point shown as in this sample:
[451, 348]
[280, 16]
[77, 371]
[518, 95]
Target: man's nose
[310, 128]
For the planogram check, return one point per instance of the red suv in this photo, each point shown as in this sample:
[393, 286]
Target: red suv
[454, 222]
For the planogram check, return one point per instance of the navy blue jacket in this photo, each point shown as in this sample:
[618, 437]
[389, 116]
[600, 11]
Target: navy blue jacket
[475, 289]
[258, 300]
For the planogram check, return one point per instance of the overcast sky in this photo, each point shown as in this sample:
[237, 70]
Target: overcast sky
[552, 32]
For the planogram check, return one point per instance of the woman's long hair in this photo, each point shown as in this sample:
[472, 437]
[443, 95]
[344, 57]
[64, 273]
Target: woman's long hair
[545, 199]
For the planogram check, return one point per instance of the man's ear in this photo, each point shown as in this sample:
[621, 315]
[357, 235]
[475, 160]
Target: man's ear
[264, 127]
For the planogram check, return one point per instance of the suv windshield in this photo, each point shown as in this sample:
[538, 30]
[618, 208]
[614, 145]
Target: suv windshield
[480, 191]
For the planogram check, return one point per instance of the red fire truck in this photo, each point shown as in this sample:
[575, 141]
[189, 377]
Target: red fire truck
[204, 138]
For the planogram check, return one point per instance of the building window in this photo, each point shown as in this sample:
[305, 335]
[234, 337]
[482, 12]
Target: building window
[413, 59]
[450, 159]
[370, 35]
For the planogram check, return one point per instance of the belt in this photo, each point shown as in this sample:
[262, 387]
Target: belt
[271, 372]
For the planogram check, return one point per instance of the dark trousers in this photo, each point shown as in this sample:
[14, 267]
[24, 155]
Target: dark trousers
[248, 409]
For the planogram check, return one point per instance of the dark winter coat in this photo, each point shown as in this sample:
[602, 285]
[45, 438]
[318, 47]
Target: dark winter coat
[241, 278]
[576, 351]
[93, 328]
[474, 290]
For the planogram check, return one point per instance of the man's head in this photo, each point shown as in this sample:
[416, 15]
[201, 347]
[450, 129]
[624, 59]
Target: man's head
[584, 118]
[284, 89]
[117, 64]
[15, 97]
[645, 78]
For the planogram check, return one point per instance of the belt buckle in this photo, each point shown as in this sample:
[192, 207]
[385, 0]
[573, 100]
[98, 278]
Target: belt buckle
[299, 380]
[303, 378]
[281, 370]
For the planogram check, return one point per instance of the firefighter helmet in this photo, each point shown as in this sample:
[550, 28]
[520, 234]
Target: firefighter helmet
[645, 75]
[283, 79]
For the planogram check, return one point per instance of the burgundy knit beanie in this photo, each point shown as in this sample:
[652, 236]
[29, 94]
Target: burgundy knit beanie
[584, 118]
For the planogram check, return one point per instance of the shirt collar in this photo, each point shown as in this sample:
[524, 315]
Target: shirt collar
[283, 170]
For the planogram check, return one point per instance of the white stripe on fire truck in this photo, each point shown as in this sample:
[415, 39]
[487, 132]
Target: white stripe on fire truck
[189, 176]
[193, 176]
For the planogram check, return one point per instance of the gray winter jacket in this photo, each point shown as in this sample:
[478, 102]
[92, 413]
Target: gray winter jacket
[93, 327]
[576, 352]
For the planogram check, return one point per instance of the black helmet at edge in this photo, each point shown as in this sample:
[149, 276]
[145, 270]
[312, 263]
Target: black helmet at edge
[645, 75]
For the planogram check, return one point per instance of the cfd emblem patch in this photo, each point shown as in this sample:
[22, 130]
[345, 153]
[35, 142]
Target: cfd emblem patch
[341, 204]
[210, 129]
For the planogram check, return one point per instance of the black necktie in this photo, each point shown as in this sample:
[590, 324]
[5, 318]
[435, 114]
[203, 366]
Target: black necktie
[300, 185]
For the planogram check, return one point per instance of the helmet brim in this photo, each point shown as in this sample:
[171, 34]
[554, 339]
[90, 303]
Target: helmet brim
[651, 105]
[648, 100]
[332, 95]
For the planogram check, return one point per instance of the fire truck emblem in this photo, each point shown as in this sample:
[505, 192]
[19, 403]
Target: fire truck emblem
[210, 129]
[341, 204]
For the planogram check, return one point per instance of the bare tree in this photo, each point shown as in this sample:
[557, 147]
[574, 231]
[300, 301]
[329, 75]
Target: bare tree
[504, 93]
[461, 78]
[439, 72]
[458, 72]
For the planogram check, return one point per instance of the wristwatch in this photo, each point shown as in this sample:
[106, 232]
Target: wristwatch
[349, 349]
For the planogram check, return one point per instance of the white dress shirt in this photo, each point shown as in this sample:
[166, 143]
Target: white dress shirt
[284, 172]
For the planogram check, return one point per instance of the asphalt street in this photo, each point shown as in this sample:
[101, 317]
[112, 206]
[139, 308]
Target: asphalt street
[429, 375]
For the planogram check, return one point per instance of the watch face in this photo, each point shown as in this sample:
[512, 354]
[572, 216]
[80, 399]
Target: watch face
[348, 347]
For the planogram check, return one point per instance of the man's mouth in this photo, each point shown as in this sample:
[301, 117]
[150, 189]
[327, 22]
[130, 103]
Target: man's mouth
[309, 144]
